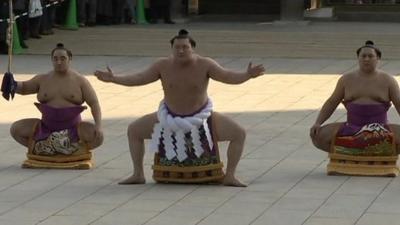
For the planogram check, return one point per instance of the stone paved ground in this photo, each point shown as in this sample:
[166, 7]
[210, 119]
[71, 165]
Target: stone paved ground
[286, 174]
[317, 40]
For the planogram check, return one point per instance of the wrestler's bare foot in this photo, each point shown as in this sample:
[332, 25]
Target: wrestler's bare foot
[233, 181]
[134, 180]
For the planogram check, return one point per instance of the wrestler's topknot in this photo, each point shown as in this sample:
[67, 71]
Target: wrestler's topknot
[183, 34]
[370, 44]
[60, 46]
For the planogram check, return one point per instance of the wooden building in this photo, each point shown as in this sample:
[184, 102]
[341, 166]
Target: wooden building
[343, 10]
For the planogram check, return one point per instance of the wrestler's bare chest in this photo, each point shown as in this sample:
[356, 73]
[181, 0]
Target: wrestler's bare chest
[374, 90]
[186, 80]
[62, 92]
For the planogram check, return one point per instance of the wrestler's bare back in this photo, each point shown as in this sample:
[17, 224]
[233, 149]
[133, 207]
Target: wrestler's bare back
[185, 85]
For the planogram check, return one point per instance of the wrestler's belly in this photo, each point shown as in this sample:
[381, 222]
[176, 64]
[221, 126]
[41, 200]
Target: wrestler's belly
[185, 106]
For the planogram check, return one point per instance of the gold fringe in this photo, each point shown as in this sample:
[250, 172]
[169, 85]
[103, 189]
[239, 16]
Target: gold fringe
[191, 174]
[81, 159]
[363, 165]
[211, 173]
[36, 164]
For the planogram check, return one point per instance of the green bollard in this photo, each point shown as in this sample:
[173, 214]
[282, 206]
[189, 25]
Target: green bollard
[71, 22]
[16, 45]
[141, 16]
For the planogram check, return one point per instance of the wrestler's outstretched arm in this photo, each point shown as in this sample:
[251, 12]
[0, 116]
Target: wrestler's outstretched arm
[394, 96]
[90, 97]
[30, 86]
[394, 93]
[146, 76]
[329, 106]
[218, 73]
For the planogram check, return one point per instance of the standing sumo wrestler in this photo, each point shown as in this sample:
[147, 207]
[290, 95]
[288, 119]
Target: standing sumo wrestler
[185, 109]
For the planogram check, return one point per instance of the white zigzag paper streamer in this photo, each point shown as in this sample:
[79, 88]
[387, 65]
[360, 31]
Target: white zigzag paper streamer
[169, 146]
[198, 149]
[178, 126]
[208, 135]
[180, 146]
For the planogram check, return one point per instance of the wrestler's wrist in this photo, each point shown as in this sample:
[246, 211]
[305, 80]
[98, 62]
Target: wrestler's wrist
[15, 86]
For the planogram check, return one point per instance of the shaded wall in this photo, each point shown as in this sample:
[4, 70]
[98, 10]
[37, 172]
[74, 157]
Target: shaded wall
[239, 7]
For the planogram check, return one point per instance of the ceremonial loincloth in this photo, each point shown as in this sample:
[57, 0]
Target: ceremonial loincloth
[57, 132]
[364, 145]
[366, 132]
[184, 148]
[184, 137]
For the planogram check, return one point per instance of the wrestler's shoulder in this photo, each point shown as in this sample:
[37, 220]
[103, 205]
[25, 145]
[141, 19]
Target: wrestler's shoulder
[78, 77]
[162, 60]
[205, 60]
[384, 74]
[75, 73]
[42, 76]
[350, 73]
[348, 76]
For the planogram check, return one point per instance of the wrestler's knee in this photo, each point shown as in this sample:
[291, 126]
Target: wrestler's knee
[99, 140]
[133, 131]
[316, 142]
[239, 135]
[14, 130]
[321, 143]
[87, 132]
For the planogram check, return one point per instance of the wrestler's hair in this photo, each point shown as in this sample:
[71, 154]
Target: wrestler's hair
[370, 44]
[60, 46]
[183, 34]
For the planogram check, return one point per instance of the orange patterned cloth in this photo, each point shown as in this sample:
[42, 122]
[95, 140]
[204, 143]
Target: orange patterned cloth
[371, 140]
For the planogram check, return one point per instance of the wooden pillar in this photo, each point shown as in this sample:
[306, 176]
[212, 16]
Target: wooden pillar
[177, 10]
[292, 10]
[193, 6]
[315, 4]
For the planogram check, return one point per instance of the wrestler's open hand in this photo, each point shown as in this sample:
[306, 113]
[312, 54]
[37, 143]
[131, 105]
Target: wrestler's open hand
[314, 130]
[255, 71]
[106, 76]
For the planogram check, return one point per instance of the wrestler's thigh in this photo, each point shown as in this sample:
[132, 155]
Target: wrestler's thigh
[226, 128]
[143, 127]
[327, 132]
[24, 127]
[396, 130]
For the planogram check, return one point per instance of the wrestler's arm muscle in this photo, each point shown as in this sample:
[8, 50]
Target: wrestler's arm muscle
[149, 75]
[394, 93]
[332, 102]
[89, 96]
[30, 86]
[218, 73]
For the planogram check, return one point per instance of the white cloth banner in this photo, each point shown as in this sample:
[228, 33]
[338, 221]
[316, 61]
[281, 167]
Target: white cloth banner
[35, 8]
